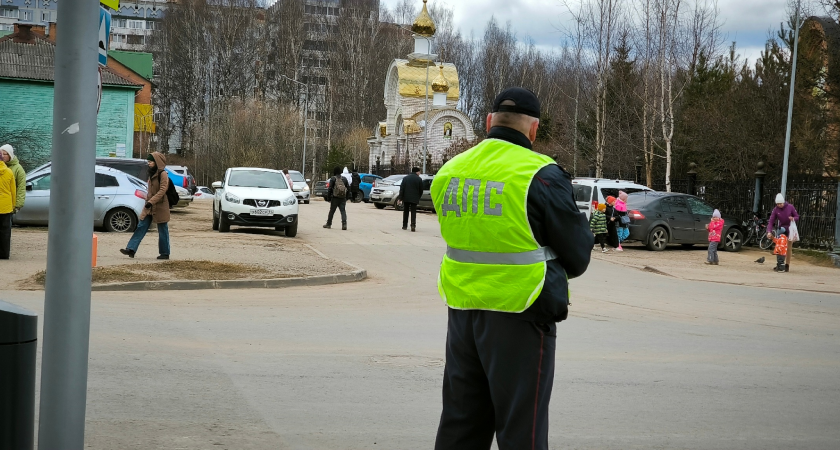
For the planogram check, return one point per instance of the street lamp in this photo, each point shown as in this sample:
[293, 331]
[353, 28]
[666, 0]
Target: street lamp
[790, 101]
[305, 120]
[429, 59]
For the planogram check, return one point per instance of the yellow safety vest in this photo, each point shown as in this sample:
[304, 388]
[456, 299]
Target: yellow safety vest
[492, 260]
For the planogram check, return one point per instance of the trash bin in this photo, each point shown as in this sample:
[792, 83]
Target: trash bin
[18, 346]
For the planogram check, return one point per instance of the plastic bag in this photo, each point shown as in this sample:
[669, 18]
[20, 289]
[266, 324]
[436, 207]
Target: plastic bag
[794, 232]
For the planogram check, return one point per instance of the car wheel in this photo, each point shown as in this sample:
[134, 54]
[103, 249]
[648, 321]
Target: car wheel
[359, 197]
[379, 205]
[224, 225]
[120, 220]
[733, 240]
[215, 220]
[398, 205]
[291, 230]
[764, 243]
[658, 239]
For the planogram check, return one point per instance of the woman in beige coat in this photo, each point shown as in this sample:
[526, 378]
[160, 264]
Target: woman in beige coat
[156, 210]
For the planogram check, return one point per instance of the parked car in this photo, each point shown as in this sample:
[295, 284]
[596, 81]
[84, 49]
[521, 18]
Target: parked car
[588, 191]
[118, 201]
[320, 189]
[184, 196]
[203, 193]
[138, 168]
[386, 191]
[300, 186]
[366, 186]
[181, 176]
[660, 218]
[253, 197]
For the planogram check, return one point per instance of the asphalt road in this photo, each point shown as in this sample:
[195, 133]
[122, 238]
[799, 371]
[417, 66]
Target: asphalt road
[644, 361]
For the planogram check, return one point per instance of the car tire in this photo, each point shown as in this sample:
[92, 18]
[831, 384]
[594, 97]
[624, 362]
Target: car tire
[215, 220]
[380, 205]
[224, 225]
[120, 220]
[398, 205]
[360, 196]
[291, 230]
[657, 239]
[733, 240]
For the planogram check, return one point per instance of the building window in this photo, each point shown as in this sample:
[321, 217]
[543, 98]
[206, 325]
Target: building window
[6, 27]
[136, 24]
[27, 16]
[46, 16]
[135, 39]
[10, 13]
[151, 25]
[119, 23]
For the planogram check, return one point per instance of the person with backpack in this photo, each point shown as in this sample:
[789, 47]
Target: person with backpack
[158, 201]
[337, 193]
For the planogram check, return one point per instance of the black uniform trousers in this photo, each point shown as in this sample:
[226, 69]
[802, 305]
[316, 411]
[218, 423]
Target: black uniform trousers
[409, 207]
[340, 204]
[498, 379]
[5, 235]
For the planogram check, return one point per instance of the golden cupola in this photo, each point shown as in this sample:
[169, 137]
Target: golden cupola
[440, 85]
[423, 24]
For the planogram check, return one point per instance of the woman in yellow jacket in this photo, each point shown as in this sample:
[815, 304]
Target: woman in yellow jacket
[8, 194]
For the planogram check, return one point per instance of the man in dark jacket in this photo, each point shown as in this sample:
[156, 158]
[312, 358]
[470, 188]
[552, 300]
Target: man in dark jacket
[355, 186]
[411, 190]
[500, 365]
[336, 198]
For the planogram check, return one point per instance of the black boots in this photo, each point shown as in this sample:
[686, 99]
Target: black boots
[163, 257]
[327, 226]
[127, 252]
[413, 229]
[344, 225]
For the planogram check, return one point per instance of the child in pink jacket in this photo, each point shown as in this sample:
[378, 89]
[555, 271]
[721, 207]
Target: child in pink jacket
[715, 228]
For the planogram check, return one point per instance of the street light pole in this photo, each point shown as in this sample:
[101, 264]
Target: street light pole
[64, 359]
[790, 101]
[305, 120]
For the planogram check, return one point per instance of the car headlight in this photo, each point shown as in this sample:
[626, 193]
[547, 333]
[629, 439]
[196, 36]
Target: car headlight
[389, 192]
[306, 187]
[290, 201]
[232, 198]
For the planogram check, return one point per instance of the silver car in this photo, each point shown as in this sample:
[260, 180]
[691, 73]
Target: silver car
[300, 186]
[386, 191]
[118, 200]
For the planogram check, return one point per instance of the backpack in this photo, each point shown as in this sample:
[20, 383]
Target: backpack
[172, 195]
[340, 189]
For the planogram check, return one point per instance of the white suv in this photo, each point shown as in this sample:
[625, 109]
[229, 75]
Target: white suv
[252, 197]
[588, 191]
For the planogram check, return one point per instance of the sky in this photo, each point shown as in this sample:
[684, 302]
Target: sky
[748, 22]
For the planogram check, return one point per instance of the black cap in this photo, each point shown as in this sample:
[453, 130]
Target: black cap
[526, 102]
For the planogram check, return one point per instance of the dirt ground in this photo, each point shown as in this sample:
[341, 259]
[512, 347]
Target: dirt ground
[738, 268]
[255, 252]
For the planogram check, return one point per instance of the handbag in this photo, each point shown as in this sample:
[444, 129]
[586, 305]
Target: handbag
[625, 220]
[794, 232]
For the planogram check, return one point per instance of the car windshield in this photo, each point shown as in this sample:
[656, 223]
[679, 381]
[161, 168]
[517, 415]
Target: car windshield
[640, 200]
[297, 177]
[257, 179]
[582, 193]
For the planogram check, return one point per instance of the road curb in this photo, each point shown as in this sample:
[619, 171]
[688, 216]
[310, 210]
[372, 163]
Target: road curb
[275, 283]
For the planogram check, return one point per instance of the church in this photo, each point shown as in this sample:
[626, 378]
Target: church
[421, 97]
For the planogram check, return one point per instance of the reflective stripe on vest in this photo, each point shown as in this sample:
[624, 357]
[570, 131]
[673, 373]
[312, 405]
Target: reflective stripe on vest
[539, 255]
[493, 262]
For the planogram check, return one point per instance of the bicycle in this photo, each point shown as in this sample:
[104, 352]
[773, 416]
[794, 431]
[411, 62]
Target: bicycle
[756, 234]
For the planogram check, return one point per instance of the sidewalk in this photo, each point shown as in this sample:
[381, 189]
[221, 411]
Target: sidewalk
[737, 268]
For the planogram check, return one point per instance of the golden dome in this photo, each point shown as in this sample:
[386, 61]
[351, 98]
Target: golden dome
[440, 84]
[423, 24]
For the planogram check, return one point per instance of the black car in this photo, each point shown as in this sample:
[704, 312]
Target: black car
[320, 189]
[660, 218]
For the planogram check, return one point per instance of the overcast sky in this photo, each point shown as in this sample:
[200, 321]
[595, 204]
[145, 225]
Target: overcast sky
[746, 21]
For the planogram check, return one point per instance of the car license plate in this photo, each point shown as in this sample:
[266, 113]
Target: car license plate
[261, 212]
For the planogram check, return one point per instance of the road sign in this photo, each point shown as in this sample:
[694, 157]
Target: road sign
[113, 4]
[104, 35]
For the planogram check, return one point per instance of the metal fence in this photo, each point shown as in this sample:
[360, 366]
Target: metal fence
[815, 201]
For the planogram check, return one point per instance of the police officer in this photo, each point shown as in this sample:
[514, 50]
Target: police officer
[514, 237]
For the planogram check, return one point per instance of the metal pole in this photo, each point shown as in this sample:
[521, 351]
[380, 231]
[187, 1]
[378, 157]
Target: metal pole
[790, 102]
[426, 127]
[837, 221]
[64, 364]
[305, 120]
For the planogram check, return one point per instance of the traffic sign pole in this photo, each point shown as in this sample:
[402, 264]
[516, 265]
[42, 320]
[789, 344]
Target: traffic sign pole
[64, 365]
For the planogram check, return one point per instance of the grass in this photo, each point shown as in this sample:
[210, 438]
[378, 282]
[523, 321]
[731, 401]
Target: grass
[814, 257]
[173, 270]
